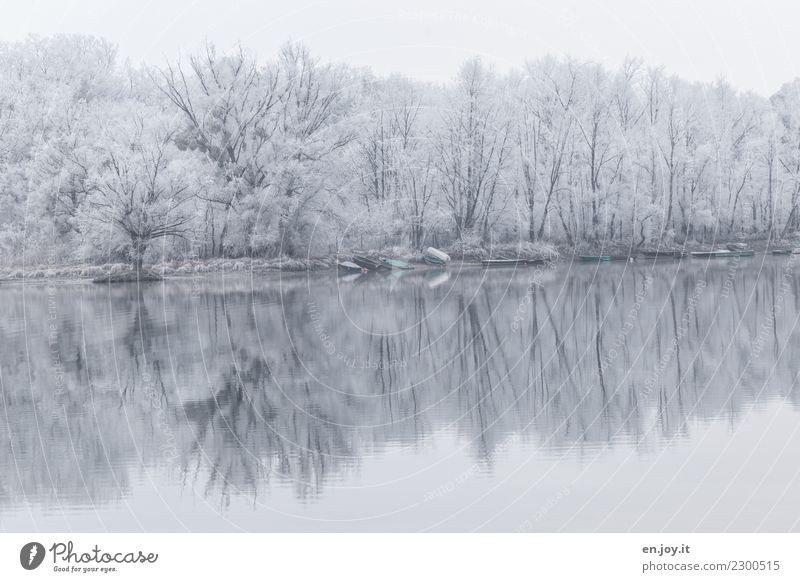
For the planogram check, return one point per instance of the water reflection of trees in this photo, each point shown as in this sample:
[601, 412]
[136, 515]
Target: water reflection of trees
[250, 391]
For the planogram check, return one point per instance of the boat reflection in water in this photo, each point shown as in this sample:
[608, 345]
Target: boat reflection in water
[611, 397]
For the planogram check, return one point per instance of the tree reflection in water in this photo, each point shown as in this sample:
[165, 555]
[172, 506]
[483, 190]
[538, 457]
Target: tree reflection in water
[236, 385]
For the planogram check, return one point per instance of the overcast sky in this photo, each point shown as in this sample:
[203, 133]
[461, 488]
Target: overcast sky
[755, 45]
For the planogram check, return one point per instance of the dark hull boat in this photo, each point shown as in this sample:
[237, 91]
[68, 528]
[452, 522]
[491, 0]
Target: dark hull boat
[368, 263]
[736, 247]
[781, 251]
[663, 254]
[348, 267]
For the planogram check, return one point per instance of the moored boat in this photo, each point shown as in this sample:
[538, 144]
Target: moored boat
[434, 256]
[368, 263]
[348, 267]
[663, 254]
[781, 251]
[504, 262]
[396, 264]
[722, 254]
[736, 247]
[599, 258]
[433, 261]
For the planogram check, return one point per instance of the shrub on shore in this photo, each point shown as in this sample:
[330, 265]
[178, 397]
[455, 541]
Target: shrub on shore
[466, 250]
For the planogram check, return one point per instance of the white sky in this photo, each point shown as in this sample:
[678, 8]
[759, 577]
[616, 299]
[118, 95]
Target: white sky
[755, 45]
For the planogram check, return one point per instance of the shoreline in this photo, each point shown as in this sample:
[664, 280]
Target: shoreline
[121, 272]
[73, 274]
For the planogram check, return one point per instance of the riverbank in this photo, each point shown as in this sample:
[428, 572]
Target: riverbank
[628, 249]
[123, 272]
[460, 253]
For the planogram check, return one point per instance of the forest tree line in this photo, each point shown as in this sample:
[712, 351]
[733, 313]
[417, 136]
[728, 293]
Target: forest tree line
[223, 154]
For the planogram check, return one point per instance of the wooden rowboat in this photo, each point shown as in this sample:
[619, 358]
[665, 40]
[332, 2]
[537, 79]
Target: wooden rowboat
[348, 267]
[368, 263]
[435, 256]
[663, 254]
[598, 258]
[736, 247]
[726, 254]
[504, 262]
[396, 264]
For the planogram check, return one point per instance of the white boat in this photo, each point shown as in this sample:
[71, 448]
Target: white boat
[437, 254]
[723, 253]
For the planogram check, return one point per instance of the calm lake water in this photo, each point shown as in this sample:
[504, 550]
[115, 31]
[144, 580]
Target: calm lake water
[583, 397]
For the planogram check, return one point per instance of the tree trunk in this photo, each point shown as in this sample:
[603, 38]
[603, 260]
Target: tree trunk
[531, 220]
[138, 249]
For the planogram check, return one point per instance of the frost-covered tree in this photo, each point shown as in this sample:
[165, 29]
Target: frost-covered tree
[140, 188]
[293, 155]
[473, 147]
